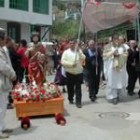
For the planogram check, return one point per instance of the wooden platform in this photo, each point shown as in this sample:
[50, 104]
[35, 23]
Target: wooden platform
[49, 107]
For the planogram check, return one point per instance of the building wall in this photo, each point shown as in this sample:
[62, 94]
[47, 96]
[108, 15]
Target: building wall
[25, 29]
[25, 32]
[25, 19]
[3, 24]
[26, 16]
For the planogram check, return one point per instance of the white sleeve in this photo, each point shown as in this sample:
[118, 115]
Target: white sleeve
[64, 60]
[63, 71]
[126, 46]
[6, 69]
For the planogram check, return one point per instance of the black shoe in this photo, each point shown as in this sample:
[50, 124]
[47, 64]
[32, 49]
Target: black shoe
[118, 98]
[79, 105]
[93, 98]
[115, 101]
[139, 93]
[71, 102]
[64, 90]
[10, 106]
[131, 93]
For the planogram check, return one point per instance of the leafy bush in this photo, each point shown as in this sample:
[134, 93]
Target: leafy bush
[65, 29]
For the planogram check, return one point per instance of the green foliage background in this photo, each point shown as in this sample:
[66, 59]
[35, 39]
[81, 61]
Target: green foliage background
[65, 29]
[61, 28]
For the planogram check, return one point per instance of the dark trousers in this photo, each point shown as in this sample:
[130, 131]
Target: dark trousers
[74, 86]
[10, 100]
[23, 71]
[132, 78]
[93, 80]
[102, 71]
[103, 76]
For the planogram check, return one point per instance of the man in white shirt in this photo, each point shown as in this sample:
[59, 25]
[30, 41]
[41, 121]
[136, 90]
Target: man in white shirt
[7, 75]
[72, 60]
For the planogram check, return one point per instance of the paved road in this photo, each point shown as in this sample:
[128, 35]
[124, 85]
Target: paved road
[94, 121]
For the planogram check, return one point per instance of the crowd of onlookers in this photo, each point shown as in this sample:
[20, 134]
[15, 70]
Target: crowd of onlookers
[93, 72]
[115, 63]
[93, 65]
[18, 59]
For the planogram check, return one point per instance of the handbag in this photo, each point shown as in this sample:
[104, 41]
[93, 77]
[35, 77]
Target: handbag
[59, 77]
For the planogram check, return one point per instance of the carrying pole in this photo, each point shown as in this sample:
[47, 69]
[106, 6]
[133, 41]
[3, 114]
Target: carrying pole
[81, 21]
[96, 39]
[80, 28]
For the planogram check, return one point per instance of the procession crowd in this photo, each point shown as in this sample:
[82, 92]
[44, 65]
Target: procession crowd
[74, 62]
[114, 63]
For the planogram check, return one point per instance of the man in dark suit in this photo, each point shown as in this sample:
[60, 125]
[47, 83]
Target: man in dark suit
[137, 67]
[93, 68]
[15, 60]
[132, 76]
[14, 56]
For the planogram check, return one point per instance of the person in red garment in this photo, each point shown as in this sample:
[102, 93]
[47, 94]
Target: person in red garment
[37, 60]
[23, 71]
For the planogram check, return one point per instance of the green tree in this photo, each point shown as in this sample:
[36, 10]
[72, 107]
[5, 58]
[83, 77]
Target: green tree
[59, 4]
[65, 29]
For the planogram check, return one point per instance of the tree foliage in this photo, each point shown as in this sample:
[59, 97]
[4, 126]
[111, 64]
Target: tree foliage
[59, 4]
[61, 28]
[65, 29]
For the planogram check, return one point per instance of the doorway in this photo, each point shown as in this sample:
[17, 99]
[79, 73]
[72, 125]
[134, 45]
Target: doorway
[14, 31]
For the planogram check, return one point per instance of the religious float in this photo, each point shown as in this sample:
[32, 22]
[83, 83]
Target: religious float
[34, 101]
[38, 97]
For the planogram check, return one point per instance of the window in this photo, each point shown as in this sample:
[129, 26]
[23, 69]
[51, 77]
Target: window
[41, 6]
[19, 4]
[14, 30]
[1, 3]
[35, 28]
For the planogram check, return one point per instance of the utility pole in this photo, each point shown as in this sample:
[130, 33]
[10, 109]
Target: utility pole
[82, 3]
[84, 33]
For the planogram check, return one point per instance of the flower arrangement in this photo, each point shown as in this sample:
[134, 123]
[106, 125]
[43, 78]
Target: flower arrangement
[48, 91]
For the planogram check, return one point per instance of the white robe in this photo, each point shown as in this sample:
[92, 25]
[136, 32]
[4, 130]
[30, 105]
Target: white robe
[7, 74]
[116, 79]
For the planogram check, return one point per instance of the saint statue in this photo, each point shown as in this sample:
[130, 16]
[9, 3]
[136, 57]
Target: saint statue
[37, 55]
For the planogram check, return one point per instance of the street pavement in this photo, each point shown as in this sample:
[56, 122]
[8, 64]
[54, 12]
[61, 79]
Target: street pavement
[98, 120]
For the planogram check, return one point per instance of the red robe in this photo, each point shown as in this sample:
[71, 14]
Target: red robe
[37, 65]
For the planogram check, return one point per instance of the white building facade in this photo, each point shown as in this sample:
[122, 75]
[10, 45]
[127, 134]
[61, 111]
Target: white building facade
[21, 17]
